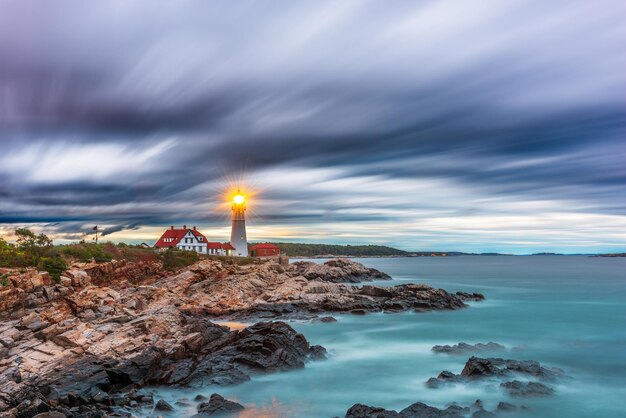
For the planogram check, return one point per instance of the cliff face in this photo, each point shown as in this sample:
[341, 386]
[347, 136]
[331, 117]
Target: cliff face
[106, 329]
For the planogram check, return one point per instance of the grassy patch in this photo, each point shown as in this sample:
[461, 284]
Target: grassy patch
[174, 259]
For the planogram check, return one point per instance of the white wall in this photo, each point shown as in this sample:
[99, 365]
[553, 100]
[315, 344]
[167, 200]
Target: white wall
[190, 243]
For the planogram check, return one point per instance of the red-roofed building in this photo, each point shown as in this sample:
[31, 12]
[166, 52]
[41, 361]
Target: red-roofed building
[191, 240]
[264, 249]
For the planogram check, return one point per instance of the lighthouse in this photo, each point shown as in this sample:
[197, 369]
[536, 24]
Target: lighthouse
[238, 231]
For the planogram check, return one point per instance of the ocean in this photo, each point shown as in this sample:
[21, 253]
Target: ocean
[563, 311]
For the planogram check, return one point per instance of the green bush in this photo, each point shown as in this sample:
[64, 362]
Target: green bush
[4, 280]
[22, 255]
[86, 252]
[174, 259]
[54, 266]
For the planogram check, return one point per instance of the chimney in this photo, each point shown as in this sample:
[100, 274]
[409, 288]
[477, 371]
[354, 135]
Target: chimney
[184, 226]
[194, 228]
[172, 227]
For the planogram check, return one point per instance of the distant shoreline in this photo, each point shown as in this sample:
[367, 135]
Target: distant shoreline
[300, 250]
[454, 255]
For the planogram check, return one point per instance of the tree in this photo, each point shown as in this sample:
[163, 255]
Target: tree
[28, 240]
[31, 246]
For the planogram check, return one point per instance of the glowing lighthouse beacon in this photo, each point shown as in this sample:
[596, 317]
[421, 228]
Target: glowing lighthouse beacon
[238, 232]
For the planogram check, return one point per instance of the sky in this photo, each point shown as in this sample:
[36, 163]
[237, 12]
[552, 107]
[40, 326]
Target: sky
[425, 125]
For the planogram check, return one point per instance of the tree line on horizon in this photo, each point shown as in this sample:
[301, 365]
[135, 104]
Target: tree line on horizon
[316, 250]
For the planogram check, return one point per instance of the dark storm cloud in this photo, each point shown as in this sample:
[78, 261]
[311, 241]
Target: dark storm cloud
[119, 113]
[121, 227]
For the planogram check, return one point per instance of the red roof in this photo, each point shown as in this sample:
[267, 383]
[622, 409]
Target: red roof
[227, 246]
[174, 236]
[264, 246]
[214, 245]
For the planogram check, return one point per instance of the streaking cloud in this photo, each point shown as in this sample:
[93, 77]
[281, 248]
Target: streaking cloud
[498, 127]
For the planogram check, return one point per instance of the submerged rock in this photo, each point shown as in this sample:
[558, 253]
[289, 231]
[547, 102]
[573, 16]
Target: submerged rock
[464, 348]
[517, 388]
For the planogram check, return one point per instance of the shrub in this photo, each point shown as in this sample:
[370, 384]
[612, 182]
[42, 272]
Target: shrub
[54, 266]
[4, 280]
[174, 259]
[86, 252]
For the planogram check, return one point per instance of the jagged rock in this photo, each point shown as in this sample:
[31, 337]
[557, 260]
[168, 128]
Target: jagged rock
[162, 405]
[7, 341]
[65, 281]
[416, 410]
[517, 388]
[217, 405]
[124, 325]
[11, 298]
[364, 411]
[419, 410]
[482, 367]
[263, 347]
[30, 280]
[193, 342]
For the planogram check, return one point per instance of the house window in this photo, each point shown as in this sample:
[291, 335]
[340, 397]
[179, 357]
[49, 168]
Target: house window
[199, 238]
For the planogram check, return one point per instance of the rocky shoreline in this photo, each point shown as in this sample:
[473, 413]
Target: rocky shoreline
[85, 346]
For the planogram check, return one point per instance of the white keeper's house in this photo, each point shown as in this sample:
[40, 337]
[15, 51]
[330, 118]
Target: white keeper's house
[192, 240]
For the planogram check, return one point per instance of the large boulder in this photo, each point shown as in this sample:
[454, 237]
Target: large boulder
[261, 348]
[217, 405]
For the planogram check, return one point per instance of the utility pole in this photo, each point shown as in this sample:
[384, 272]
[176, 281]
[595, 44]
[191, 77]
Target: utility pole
[95, 228]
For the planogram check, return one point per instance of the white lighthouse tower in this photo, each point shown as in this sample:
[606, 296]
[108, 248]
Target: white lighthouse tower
[238, 237]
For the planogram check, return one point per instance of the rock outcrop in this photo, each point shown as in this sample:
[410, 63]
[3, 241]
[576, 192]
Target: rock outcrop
[477, 367]
[420, 410]
[340, 270]
[502, 370]
[90, 341]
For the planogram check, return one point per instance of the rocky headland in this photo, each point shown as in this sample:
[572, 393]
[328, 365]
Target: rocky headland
[86, 344]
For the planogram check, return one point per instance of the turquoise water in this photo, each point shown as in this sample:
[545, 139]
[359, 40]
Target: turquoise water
[568, 312]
